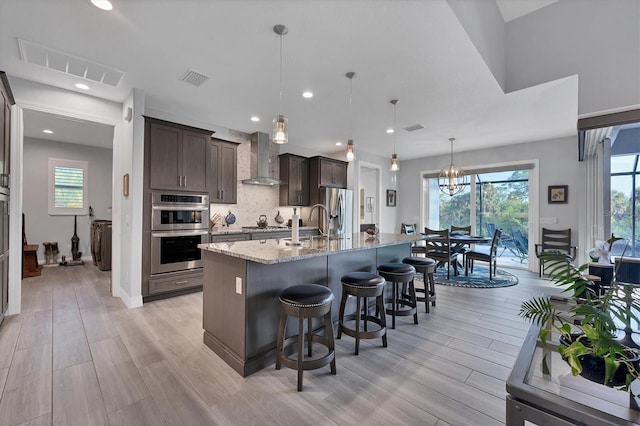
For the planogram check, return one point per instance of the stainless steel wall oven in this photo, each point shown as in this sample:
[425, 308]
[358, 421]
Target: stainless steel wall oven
[179, 222]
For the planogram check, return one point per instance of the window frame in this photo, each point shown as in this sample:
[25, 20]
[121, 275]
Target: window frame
[67, 211]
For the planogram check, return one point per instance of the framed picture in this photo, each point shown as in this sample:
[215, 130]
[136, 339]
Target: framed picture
[391, 197]
[558, 194]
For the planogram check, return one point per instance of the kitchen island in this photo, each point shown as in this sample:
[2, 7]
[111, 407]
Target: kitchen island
[242, 281]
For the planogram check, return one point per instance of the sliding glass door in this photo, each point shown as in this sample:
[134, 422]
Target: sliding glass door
[500, 200]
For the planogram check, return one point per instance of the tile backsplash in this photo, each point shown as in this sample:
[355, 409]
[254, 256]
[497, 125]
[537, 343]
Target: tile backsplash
[254, 200]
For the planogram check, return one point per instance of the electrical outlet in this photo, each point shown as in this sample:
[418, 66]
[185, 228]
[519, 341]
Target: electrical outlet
[238, 285]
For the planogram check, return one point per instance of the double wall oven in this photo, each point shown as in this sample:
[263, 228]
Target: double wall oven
[179, 222]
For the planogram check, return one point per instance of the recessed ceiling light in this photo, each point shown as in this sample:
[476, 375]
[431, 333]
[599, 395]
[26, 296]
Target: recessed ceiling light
[47, 131]
[102, 4]
[339, 143]
[81, 86]
[389, 130]
[254, 118]
[307, 94]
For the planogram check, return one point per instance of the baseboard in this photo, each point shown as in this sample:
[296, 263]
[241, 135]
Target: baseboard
[130, 302]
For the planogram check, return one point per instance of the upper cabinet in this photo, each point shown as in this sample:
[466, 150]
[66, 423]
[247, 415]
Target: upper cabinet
[6, 100]
[327, 172]
[177, 156]
[294, 174]
[223, 177]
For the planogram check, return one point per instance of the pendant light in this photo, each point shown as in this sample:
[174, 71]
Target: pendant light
[395, 166]
[350, 147]
[280, 134]
[452, 179]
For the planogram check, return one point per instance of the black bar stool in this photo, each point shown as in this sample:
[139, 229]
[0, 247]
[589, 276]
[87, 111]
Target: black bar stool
[363, 285]
[427, 267]
[402, 297]
[305, 301]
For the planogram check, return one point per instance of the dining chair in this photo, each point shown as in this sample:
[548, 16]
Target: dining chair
[555, 240]
[462, 230]
[438, 246]
[416, 247]
[490, 257]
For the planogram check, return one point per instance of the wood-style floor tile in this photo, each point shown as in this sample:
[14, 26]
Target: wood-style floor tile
[140, 413]
[119, 379]
[77, 399]
[77, 356]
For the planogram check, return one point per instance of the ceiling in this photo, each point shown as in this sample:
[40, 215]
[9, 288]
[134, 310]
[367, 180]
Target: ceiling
[414, 51]
[66, 129]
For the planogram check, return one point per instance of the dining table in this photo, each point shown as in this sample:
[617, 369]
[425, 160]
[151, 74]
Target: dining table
[459, 241]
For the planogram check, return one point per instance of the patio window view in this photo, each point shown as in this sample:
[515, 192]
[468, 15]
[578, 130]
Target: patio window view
[625, 204]
[502, 202]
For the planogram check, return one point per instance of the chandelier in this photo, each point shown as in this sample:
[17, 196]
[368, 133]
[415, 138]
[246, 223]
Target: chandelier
[279, 133]
[452, 179]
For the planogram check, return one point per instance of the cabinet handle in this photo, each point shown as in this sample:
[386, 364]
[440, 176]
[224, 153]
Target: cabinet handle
[181, 282]
[179, 180]
[222, 194]
[185, 181]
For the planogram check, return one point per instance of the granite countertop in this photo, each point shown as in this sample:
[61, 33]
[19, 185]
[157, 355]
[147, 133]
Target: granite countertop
[256, 230]
[277, 250]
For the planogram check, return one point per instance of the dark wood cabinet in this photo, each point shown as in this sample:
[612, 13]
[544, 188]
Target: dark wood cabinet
[227, 238]
[294, 174]
[177, 156]
[223, 176]
[6, 98]
[327, 172]
[5, 166]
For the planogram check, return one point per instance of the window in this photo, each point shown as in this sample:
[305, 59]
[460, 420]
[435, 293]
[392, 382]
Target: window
[67, 187]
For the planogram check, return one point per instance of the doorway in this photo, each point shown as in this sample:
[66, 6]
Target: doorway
[50, 144]
[369, 200]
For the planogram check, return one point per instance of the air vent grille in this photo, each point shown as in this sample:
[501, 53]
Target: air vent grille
[414, 128]
[194, 78]
[36, 54]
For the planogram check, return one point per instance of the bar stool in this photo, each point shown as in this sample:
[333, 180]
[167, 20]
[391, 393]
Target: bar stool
[400, 273]
[305, 301]
[363, 285]
[427, 267]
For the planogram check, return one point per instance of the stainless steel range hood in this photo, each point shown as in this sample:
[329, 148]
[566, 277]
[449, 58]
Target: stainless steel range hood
[261, 161]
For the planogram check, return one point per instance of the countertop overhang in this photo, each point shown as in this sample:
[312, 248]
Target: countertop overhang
[278, 251]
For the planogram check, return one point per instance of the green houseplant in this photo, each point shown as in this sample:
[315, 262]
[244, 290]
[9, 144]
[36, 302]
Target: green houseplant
[588, 331]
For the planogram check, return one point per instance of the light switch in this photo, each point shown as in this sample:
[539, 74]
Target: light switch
[238, 285]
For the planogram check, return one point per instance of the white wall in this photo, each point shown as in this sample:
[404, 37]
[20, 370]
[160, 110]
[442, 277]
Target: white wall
[558, 165]
[40, 226]
[597, 40]
[485, 26]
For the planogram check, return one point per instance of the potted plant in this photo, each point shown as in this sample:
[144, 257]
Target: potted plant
[588, 331]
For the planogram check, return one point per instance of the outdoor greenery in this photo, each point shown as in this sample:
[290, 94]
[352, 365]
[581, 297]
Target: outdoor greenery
[504, 203]
[622, 220]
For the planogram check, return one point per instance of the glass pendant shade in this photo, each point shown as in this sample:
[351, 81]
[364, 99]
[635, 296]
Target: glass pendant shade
[452, 179]
[280, 134]
[395, 165]
[350, 154]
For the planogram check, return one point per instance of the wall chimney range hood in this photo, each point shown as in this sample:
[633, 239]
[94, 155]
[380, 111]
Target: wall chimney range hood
[261, 161]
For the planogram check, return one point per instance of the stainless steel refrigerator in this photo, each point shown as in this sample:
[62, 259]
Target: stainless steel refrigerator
[339, 203]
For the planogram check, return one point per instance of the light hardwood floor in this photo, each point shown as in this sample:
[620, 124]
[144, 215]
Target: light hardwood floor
[76, 356]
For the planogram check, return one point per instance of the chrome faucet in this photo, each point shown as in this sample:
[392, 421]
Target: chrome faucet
[326, 233]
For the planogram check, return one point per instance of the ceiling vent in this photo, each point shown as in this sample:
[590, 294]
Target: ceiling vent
[194, 78]
[414, 128]
[37, 54]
